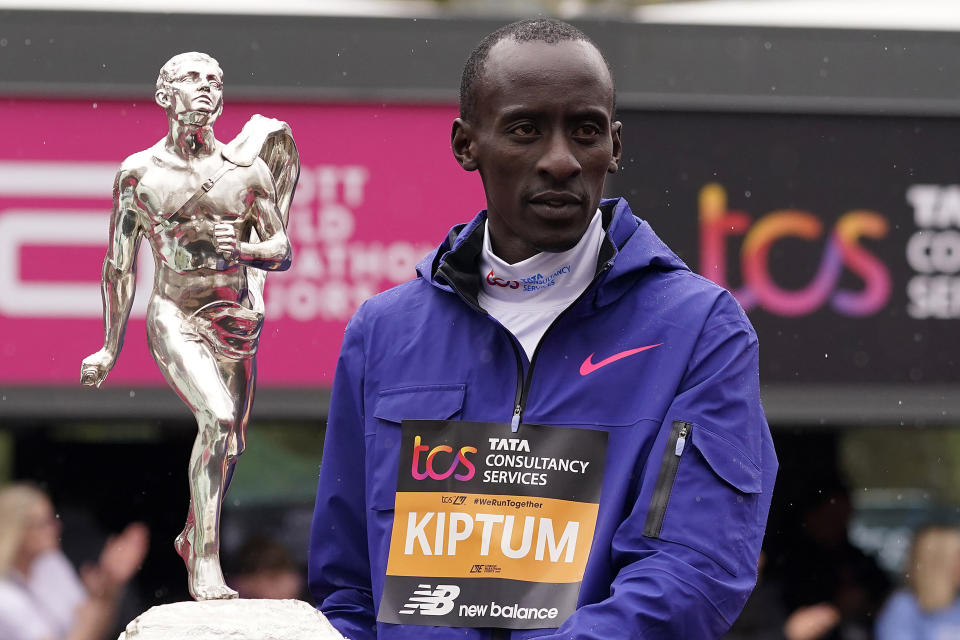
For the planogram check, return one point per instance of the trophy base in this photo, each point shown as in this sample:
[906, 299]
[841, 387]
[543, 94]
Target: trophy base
[234, 619]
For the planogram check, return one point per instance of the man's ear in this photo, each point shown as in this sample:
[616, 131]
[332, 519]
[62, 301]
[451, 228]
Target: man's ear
[162, 98]
[615, 130]
[461, 141]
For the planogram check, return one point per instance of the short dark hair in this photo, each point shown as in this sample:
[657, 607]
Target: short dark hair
[547, 30]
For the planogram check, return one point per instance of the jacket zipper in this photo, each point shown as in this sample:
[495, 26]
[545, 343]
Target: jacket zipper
[679, 432]
[524, 388]
[523, 382]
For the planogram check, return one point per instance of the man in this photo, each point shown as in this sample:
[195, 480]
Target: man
[210, 214]
[553, 317]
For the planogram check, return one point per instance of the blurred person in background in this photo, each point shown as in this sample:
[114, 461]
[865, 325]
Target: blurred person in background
[263, 568]
[41, 595]
[928, 609]
[822, 571]
[765, 618]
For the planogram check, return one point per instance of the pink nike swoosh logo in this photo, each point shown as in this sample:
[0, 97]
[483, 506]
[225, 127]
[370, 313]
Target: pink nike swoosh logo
[589, 366]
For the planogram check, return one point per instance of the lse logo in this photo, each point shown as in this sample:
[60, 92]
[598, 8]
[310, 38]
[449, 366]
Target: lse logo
[430, 472]
[759, 289]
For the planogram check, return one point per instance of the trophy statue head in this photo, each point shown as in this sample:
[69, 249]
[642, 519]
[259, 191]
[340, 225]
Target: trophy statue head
[190, 89]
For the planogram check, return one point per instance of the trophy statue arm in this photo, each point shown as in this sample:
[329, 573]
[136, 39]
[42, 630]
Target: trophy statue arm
[270, 248]
[118, 279]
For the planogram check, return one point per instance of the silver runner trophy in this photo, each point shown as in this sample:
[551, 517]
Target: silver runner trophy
[214, 215]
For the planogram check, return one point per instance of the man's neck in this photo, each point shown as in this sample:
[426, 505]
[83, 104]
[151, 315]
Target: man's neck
[190, 136]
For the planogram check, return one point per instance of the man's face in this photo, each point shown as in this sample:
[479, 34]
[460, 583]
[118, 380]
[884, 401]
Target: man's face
[197, 88]
[543, 142]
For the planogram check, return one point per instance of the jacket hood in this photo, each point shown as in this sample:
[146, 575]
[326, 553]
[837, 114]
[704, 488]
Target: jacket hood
[629, 246]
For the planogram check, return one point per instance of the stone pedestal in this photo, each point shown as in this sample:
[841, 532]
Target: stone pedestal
[232, 620]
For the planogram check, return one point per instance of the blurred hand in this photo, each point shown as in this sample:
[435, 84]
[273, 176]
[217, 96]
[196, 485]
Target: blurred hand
[228, 245]
[810, 623]
[96, 366]
[121, 557]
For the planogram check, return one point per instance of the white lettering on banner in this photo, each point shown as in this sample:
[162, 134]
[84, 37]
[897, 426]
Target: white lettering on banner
[935, 206]
[20, 228]
[461, 528]
[333, 273]
[24, 178]
[933, 252]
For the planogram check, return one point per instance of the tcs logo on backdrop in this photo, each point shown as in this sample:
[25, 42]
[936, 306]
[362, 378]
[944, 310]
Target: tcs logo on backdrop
[430, 472]
[842, 250]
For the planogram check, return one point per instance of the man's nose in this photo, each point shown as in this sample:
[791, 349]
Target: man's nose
[558, 159]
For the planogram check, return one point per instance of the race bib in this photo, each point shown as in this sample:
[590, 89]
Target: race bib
[491, 528]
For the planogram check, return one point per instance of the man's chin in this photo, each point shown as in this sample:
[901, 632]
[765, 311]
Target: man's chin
[559, 244]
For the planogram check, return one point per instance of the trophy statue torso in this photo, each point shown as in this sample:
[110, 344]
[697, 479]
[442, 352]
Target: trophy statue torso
[190, 272]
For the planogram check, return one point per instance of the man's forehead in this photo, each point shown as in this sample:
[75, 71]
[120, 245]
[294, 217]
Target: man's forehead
[514, 67]
[511, 56]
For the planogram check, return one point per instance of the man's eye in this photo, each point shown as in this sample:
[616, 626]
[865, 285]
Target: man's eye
[524, 130]
[586, 131]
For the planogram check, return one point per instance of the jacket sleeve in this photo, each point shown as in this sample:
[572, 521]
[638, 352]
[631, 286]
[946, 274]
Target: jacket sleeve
[338, 564]
[685, 556]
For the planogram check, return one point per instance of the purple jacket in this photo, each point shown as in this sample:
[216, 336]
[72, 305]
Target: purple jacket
[690, 462]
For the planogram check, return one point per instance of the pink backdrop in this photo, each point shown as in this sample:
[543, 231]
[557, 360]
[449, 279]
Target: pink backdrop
[378, 188]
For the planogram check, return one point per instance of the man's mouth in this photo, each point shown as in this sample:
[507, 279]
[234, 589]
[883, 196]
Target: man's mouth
[556, 199]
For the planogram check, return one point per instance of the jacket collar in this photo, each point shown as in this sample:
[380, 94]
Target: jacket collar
[629, 247]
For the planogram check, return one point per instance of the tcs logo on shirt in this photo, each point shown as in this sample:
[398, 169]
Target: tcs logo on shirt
[459, 459]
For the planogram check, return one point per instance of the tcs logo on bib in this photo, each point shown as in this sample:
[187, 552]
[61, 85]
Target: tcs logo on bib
[429, 471]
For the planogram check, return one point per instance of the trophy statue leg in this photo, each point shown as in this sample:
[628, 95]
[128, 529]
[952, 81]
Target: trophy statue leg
[219, 392]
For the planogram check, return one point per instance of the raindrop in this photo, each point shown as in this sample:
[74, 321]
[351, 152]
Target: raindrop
[768, 45]
[3, 42]
[27, 42]
[133, 394]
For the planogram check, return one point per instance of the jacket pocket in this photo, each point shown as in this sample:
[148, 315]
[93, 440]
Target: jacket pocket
[393, 406]
[705, 496]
